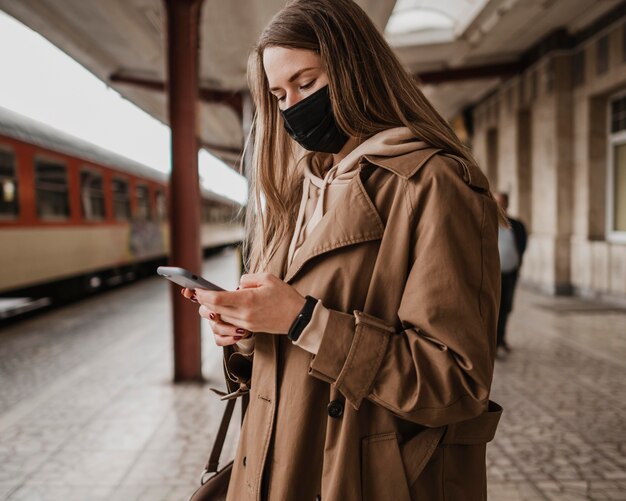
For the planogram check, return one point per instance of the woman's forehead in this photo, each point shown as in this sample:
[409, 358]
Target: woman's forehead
[282, 63]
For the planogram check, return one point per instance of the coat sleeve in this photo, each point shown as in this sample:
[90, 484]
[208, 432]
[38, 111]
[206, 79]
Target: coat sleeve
[434, 365]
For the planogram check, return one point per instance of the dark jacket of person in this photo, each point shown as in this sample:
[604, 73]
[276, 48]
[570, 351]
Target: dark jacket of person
[521, 237]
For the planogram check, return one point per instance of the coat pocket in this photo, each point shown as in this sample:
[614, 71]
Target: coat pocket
[382, 470]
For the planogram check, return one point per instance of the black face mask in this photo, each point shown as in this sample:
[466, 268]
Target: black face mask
[311, 123]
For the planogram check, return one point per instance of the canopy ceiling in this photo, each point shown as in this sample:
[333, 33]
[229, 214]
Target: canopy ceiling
[122, 42]
[415, 22]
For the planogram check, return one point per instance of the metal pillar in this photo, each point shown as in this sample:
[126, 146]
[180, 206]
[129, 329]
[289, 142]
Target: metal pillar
[183, 19]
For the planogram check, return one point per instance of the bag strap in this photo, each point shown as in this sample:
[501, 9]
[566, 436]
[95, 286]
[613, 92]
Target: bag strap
[218, 445]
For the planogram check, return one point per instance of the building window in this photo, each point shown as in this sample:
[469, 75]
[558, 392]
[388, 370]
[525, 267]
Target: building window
[624, 42]
[143, 202]
[619, 191]
[121, 200]
[602, 55]
[617, 169]
[618, 115]
[92, 195]
[51, 190]
[9, 208]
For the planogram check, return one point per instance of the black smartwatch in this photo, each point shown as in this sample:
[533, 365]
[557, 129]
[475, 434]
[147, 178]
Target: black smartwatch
[303, 319]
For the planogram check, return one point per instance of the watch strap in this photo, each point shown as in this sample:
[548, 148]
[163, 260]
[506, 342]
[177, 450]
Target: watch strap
[303, 319]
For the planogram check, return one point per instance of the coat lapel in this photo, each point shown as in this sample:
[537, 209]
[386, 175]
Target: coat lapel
[352, 220]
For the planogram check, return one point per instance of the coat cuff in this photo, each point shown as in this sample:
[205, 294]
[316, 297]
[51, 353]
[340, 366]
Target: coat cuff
[311, 337]
[351, 352]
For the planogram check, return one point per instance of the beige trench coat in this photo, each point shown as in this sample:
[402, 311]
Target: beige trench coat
[395, 405]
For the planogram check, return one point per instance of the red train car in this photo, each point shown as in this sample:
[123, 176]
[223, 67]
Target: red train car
[75, 217]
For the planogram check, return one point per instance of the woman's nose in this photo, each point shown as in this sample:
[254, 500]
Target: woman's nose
[291, 99]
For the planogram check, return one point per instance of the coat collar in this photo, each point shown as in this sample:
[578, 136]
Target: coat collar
[355, 219]
[407, 165]
[351, 221]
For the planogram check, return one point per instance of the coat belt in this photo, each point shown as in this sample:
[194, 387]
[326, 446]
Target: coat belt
[479, 430]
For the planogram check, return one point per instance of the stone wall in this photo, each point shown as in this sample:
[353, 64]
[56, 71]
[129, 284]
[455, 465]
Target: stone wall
[547, 128]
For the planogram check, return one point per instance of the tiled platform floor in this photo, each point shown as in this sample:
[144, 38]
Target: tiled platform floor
[563, 434]
[88, 412]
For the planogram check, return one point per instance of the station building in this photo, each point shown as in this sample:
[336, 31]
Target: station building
[553, 136]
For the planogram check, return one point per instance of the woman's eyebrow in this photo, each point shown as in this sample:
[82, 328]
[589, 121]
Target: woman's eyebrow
[294, 76]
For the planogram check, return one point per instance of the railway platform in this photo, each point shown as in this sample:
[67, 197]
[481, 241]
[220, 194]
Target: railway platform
[88, 410]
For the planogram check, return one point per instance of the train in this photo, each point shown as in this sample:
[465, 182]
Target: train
[76, 218]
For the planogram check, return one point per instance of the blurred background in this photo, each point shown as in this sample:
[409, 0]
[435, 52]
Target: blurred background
[122, 126]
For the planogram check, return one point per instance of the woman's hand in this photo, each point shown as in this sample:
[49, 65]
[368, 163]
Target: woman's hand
[263, 303]
[225, 334]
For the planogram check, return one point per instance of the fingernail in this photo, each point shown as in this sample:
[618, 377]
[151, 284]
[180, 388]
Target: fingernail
[240, 331]
[237, 338]
[212, 315]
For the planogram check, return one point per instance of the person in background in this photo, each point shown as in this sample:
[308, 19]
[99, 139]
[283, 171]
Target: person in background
[511, 244]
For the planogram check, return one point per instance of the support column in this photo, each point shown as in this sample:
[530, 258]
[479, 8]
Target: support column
[183, 18]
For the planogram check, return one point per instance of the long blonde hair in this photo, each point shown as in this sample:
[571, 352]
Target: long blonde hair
[375, 91]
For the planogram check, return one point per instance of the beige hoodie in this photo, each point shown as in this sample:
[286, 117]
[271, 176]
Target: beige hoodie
[319, 194]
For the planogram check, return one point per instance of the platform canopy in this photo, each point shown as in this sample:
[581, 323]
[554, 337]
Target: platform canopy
[462, 47]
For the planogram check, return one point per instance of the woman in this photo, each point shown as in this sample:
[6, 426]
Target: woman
[376, 384]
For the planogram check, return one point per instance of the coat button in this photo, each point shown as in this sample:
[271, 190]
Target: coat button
[318, 498]
[244, 460]
[335, 409]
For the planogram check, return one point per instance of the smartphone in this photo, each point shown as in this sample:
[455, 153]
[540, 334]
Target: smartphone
[185, 278]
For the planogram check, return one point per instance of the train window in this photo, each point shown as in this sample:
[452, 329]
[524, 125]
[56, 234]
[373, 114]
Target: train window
[143, 202]
[161, 206]
[205, 213]
[51, 190]
[92, 195]
[8, 185]
[121, 200]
